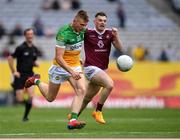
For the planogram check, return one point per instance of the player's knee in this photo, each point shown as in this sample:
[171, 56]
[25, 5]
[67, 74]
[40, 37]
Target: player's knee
[81, 92]
[50, 99]
[20, 98]
[110, 86]
[87, 99]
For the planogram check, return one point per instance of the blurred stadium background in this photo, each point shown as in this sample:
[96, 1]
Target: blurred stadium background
[150, 34]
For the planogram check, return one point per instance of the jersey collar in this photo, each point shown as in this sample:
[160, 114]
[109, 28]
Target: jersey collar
[100, 33]
[70, 25]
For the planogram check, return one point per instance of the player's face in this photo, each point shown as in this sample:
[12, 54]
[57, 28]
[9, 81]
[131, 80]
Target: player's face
[79, 24]
[29, 36]
[100, 23]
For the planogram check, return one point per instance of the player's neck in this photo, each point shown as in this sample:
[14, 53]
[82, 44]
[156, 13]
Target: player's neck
[74, 28]
[29, 44]
[100, 32]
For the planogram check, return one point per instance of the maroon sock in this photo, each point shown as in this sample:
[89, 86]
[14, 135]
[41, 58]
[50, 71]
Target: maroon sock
[99, 107]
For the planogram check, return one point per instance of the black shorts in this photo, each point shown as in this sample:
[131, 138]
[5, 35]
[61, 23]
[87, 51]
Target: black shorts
[19, 82]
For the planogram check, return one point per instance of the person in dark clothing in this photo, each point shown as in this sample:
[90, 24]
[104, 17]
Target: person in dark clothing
[26, 55]
[38, 26]
[121, 15]
[75, 4]
[2, 30]
[163, 56]
[17, 31]
[56, 5]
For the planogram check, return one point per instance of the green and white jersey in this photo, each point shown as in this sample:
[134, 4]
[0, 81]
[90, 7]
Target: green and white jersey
[72, 42]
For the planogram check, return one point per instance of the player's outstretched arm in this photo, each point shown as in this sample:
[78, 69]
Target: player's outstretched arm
[116, 39]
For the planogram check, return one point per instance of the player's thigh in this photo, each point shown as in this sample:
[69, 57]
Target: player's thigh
[53, 89]
[102, 78]
[78, 85]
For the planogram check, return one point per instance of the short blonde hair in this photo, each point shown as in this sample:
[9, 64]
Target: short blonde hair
[83, 15]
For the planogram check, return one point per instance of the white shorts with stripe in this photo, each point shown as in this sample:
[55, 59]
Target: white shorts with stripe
[90, 71]
[57, 74]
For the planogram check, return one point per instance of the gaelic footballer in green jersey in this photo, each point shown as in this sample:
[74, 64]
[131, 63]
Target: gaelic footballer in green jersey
[72, 42]
[66, 67]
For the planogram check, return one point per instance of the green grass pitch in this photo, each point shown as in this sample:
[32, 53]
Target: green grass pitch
[121, 123]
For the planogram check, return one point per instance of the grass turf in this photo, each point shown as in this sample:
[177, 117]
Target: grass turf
[125, 123]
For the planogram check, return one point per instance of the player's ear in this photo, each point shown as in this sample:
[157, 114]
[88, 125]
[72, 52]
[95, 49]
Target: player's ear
[75, 21]
[94, 21]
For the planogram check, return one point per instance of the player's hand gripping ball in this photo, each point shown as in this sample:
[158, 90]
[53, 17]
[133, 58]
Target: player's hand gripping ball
[124, 63]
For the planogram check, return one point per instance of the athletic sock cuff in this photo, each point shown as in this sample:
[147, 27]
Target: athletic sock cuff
[74, 115]
[37, 81]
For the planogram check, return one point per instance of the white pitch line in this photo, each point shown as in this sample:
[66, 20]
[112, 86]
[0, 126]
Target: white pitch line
[131, 119]
[22, 134]
[84, 133]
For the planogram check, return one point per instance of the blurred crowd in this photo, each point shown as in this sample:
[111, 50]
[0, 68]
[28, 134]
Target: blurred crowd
[142, 53]
[139, 52]
[61, 5]
[49, 5]
[38, 24]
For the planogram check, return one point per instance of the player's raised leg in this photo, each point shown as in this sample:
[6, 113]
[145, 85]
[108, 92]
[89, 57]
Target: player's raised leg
[49, 91]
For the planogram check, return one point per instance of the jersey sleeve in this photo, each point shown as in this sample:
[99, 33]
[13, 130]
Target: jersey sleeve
[38, 53]
[16, 53]
[60, 40]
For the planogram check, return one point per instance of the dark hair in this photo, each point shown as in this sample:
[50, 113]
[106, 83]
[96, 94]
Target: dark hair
[83, 15]
[28, 29]
[100, 14]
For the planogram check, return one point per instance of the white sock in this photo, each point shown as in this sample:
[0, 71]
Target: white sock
[35, 80]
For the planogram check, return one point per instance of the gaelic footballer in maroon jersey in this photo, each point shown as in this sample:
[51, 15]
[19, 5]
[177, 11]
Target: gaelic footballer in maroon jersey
[98, 46]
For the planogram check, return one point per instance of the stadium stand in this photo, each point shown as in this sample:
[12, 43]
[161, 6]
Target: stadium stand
[144, 25]
[175, 5]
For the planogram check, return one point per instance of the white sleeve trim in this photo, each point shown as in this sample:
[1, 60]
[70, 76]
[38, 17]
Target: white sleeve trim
[60, 46]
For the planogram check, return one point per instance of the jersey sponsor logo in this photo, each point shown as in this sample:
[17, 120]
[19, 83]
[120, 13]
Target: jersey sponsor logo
[26, 53]
[101, 50]
[76, 46]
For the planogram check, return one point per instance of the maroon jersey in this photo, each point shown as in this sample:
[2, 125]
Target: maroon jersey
[97, 47]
